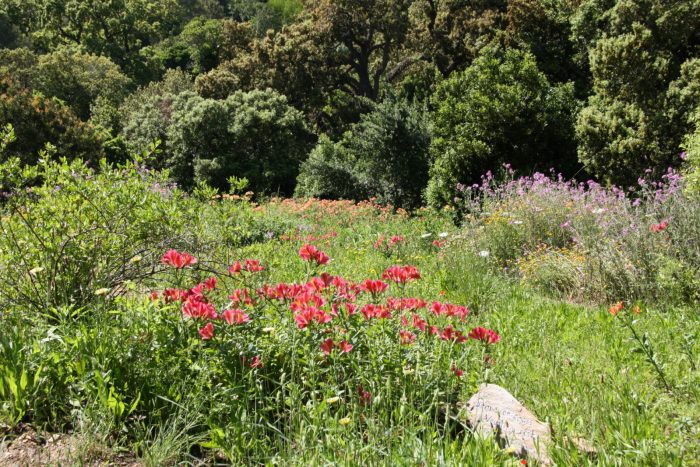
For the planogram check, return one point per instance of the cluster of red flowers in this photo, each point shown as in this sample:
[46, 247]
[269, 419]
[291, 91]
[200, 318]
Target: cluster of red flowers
[311, 253]
[401, 274]
[249, 265]
[326, 299]
[178, 260]
[660, 227]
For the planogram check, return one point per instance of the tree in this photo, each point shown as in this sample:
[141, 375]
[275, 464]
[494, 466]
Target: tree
[384, 155]
[255, 135]
[451, 33]
[70, 75]
[636, 118]
[502, 109]
[38, 120]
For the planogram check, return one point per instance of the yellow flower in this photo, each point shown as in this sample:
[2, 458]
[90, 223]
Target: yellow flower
[332, 400]
[36, 270]
[102, 291]
[344, 421]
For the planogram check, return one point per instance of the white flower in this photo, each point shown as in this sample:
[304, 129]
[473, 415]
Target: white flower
[332, 400]
[426, 235]
[484, 253]
[598, 211]
[36, 270]
[517, 222]
[443, 234]
[102, 291]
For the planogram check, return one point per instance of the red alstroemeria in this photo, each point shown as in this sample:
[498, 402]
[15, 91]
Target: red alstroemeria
[253, 265]
[241, 296]
[327, 346]
[458, 373]
[173, 295]
[196, 309]
[374, 286]
[311, 253]
[210, 284]
[345, 346]
[235, 268]
[256, 362]
[154, 296]
[487, 336]
[207, 332]
[660, 227]
[178, 260]
[395, 239]
[235, 316]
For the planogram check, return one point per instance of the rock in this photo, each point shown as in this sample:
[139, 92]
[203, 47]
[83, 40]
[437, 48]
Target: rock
[493, 411]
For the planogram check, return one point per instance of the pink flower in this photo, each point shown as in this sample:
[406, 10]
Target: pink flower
[178, 260]
[345, 346]
[327, 346]
[207, 332]
[660, 227]
[365, 396]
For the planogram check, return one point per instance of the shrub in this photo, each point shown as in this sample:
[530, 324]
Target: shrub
[501, 109]
[38, 120]
[585, 242]
[255, 135]
[384, 156]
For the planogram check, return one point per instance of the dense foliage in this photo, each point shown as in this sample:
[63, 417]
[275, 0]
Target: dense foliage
[598, 87]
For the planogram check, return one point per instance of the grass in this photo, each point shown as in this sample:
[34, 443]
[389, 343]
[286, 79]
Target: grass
[132, 375]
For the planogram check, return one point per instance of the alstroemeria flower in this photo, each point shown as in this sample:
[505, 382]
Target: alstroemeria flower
[487, 336]
[327, 346]
[178, 260]
[207, 332]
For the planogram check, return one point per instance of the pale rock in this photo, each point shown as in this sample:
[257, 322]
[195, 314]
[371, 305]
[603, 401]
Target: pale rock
[493, 411]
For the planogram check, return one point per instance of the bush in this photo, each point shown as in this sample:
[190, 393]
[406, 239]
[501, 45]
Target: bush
[80, 232]
[501, 109]
[38, 120]
[384, 156]
[255, 135]
[588, 243]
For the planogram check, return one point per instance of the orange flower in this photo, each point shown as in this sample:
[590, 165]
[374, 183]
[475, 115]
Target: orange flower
[616, 308]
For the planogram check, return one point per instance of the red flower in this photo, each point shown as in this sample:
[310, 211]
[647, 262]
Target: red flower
[241, 296]
[154, 295]
[196, 309]
[401, 274]
[484, 335]
[327, 346]
[210, 283]
[459, 373]
[207, 332]
[660, 227]
[236, 316]
[374, 286]
[178, 260]
[311, 253]
[345, 346]
[395, 239]
[253, 265]
[256, 362]
[235, 268]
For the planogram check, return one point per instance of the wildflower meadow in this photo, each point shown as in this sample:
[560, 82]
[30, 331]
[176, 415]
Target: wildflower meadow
[148, 326]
